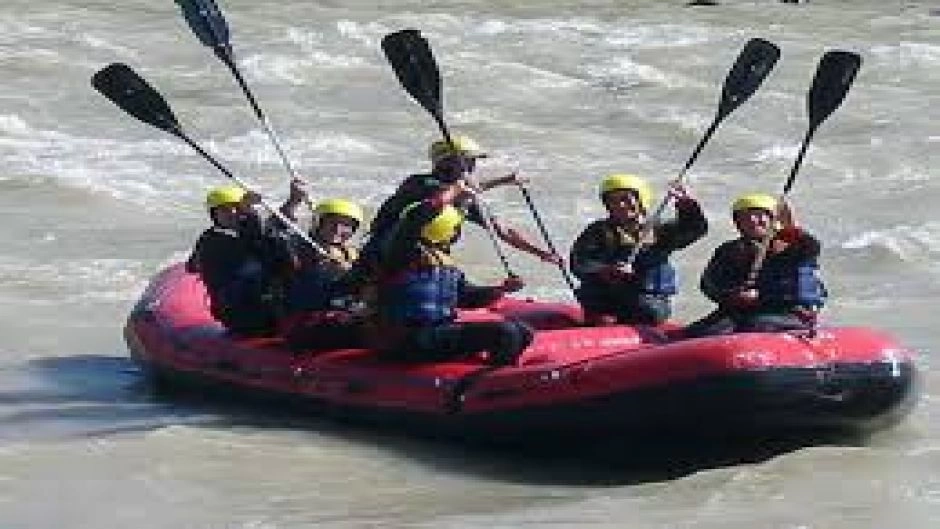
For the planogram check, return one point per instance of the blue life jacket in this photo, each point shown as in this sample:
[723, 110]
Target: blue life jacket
[656, 274]
[782, 285]
[425, 294]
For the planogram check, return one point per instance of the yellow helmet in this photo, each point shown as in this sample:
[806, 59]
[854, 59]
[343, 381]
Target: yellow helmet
[618, 182]
[443, 227]
[341, 207]
[754, 201]
[463, 145]
[224, 195]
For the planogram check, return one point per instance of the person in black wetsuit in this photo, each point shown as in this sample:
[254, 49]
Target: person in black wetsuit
[450, 164]
[420, 287]
[613, 291]
[788, 292]
[317, 313]
[239, 263]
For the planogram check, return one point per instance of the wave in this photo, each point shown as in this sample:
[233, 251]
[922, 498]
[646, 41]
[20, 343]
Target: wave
[73, 280]
[631, 71]
[296, 71]
[255, 147]
[904, 242]
[919, 54]
[125, 170]
[162, 173]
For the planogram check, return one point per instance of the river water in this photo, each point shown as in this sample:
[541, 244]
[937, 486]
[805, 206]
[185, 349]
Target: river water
[92, 203]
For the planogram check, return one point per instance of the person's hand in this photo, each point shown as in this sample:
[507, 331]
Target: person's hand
[552, 258]
[679, 192]
[251, 198]
[785, 215]
[517, 179]
[297, 192]
[625, 270]
[457, 191]
[616, 273]
[512, 284]
[745, 298]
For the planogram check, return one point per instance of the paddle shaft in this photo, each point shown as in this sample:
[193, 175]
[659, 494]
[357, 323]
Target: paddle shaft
[764, 247]
[486, 213]
[833, 79]
[747, 73]
[414, 64]
[278, 214]
[544, 230]
[265, 122]
[653, 220]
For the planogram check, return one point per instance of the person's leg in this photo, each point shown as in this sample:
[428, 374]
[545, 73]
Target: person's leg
[773, 322]
[717, 322]
[504, 341]
[321, 331]
[647, 310]
[596, 306]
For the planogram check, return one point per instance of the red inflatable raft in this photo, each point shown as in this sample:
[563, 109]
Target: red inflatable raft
[571, 380]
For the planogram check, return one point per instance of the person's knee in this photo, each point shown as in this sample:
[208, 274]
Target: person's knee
[774, 323]
[512, 338]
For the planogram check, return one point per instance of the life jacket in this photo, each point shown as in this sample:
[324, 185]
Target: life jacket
[781, 284]
[654, 273]
[312, 287]
[425, 293]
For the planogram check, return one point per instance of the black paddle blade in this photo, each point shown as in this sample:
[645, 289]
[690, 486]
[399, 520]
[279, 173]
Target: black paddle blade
[750, 69]
[126, 89]
[834, 77]
[207, 22]
[411, 58]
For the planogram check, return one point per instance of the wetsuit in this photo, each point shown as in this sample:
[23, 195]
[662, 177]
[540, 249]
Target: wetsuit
[420, 289]
[317, 315]
[240, 269]
[643, 297]
[790, 292]
[414, 188]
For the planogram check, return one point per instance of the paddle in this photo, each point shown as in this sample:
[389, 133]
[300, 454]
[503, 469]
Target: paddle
[834, 77]
[545, 235]
[123, 87]
[210, 27]
[410, 56]
[750, 69]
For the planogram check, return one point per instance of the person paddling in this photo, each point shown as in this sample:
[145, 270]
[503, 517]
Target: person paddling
[787, 292]
[420, 287]
[613, 290]
[239, 262]
[450, 163]
[317, 314]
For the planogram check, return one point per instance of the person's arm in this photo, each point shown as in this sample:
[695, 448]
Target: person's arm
[412, 189]
[296, 197]
[398, 251]
[689, 226]
[798, 244]
[194, 263]
[511, 236]
[588, 255]
[720, 281]
[510, 179]
[517, 240]
[474, 296]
